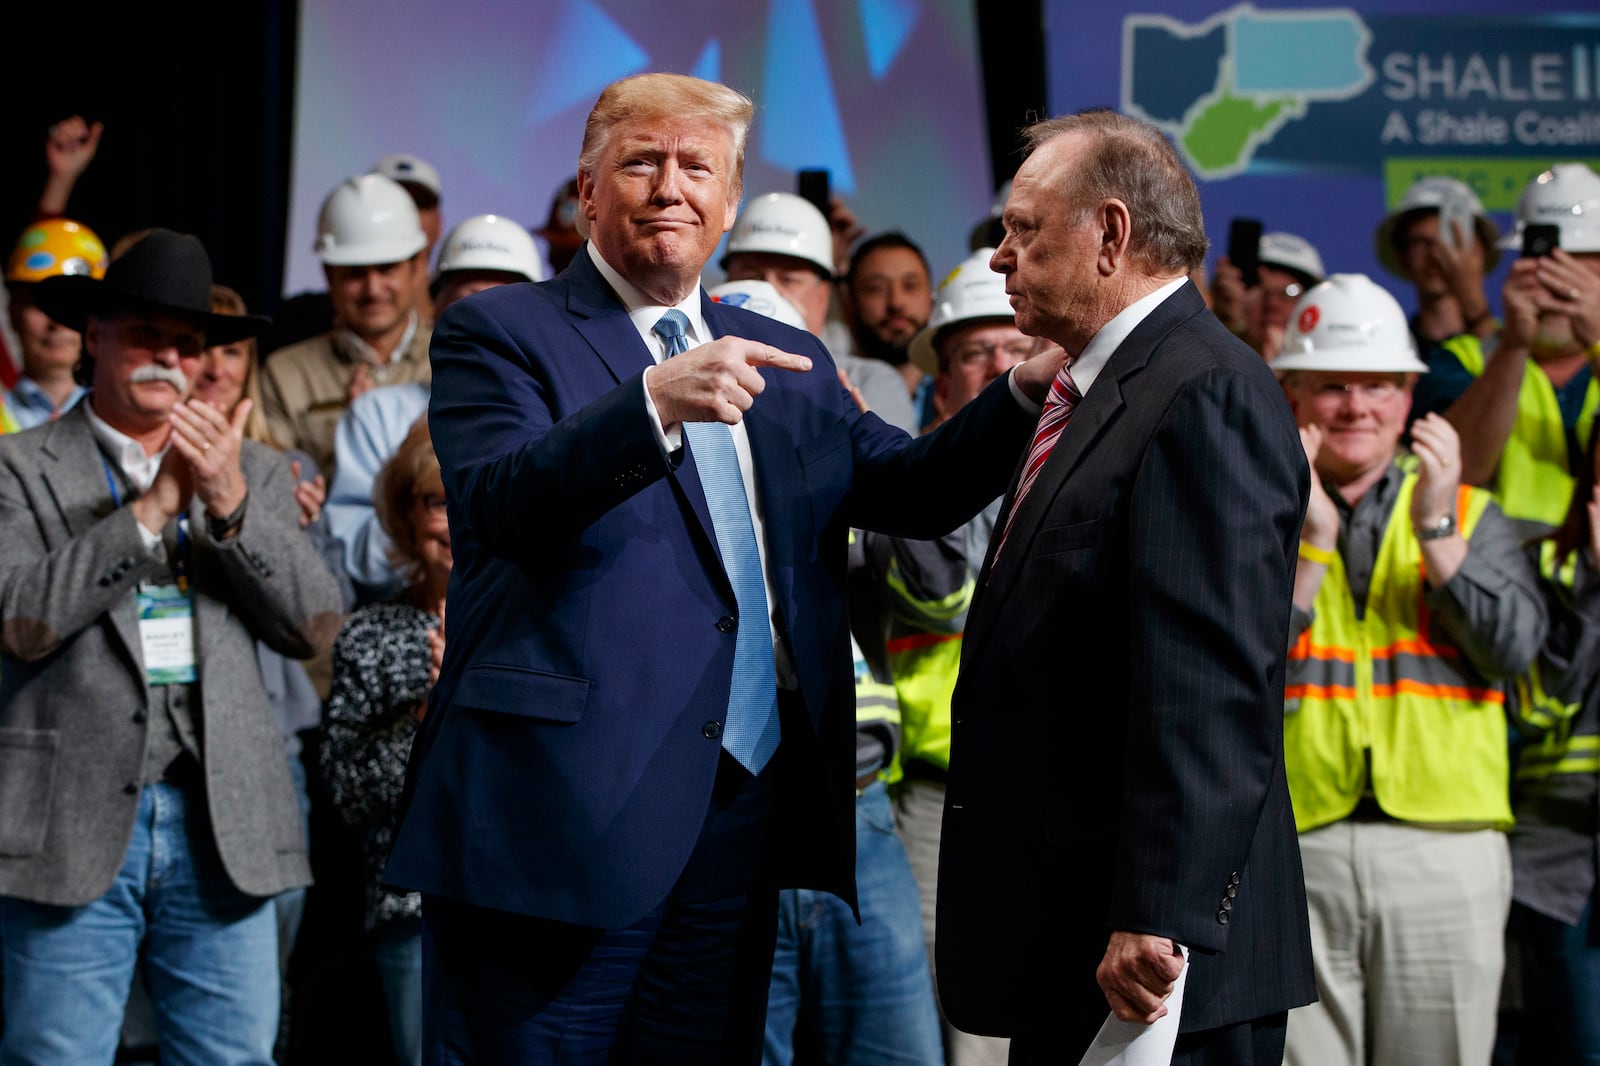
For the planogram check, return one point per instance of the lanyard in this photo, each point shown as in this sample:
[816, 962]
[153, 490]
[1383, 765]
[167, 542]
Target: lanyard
[180, 566]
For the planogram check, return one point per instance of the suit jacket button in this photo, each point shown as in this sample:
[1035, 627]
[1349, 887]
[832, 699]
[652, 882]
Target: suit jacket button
[1222, 917]
[1233, 878]
[726, 624]
[1233, 890]
[1226, 904]
[711, 730]
[105, 581]
[140, 717]
[131, 788]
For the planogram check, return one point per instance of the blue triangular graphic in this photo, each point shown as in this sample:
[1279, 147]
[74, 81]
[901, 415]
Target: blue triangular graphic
[801, 126]
[709, 65]
[885, 25]
[586, 52]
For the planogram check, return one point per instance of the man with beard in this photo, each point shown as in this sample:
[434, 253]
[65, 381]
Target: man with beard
[887, 298]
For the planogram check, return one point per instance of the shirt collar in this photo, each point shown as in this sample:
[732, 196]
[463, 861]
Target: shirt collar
[126, 452]
[1086, 367]
[29, 393]
[366, 353]
[644, 311]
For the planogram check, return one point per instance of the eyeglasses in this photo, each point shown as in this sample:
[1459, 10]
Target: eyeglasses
[1371, 391]
[984, 351]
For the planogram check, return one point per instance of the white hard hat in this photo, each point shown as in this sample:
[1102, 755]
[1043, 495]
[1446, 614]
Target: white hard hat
[971, 292]
[1432, 193]
[490, 242]
[1567, 195]
[1349, 324]
[762, 297]
[1286, 251]
[368, 220]
[781, 223]
[411, 169]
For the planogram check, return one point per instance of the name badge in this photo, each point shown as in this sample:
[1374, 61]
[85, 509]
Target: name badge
[166, 634]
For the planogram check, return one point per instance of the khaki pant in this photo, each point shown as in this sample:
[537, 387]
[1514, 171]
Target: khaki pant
[919, 815]
[1408, 940]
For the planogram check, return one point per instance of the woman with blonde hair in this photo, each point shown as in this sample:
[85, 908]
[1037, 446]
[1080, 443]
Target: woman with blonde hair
[384, 665]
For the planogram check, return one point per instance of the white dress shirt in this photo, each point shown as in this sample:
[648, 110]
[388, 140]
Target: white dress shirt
[644, 314]
[1086, 367]
[129, 455]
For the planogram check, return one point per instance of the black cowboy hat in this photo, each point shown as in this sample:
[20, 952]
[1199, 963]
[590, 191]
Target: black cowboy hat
[164, 271]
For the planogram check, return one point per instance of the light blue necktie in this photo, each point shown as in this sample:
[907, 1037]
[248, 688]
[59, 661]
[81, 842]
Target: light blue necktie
[751, 733]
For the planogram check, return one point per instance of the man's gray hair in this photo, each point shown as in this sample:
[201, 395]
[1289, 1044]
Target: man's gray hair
[1132, 161]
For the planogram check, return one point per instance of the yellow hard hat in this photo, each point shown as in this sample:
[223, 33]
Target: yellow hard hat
[56, 246]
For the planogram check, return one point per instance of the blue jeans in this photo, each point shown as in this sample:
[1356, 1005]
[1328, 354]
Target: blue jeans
[397, 949]
[1560, 987]
[208, 952]
[864, 987]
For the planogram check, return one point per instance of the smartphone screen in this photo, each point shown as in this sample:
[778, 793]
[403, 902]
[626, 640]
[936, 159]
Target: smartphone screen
[1244, 249]
[1540, 238]
[1453, 215]
[815, 186]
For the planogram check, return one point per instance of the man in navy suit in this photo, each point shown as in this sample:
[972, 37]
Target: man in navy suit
[1117, 789]
[643, 725]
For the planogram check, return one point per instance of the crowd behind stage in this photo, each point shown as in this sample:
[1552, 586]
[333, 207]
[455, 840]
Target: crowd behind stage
[1442, 707]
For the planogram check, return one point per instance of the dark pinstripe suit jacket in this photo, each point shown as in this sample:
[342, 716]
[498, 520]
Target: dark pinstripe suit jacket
[1117, 760]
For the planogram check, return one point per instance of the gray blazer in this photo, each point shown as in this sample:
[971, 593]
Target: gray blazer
[73, 722]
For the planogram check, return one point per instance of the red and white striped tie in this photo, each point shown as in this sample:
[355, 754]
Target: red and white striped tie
[1058, 407]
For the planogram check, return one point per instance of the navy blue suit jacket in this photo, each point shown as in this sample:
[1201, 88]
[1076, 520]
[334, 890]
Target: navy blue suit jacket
[566, 762]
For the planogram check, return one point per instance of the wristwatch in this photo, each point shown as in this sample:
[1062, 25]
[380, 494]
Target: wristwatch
[226, 526]
[1444, 527]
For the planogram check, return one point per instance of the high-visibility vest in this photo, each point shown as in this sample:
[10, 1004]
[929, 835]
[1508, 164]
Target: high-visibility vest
[7, 423]
[1567, 742]
[1533, 481]
[1392, 685]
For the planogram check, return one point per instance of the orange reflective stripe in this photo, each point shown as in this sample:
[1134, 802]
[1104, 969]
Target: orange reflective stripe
[919, 640]
[1441, 692]
[1319, 692]
[1418, 646]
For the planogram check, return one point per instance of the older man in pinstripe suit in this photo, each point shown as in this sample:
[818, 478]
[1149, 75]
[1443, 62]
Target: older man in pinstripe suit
[1117, 788]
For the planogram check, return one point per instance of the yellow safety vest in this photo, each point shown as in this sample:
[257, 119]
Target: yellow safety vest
[1390, 685]
[1533, 481]
[7, 423]
[1562, 748]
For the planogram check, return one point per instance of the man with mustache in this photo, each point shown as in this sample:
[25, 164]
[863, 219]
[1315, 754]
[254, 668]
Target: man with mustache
[146, 811]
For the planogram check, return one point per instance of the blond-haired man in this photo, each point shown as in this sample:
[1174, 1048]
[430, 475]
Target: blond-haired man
[644, 725]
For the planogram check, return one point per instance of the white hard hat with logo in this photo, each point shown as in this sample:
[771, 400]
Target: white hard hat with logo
[970, 293]
[781, 223]
[1293, 253]
[1566, 196]
[367, 220]
[1349, 324]
[761, 297]
[490, 242]
[1433, 193]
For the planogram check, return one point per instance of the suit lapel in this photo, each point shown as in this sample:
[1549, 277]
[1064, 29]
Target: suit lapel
[601, 319]
[74, 470]
[1105, 401]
